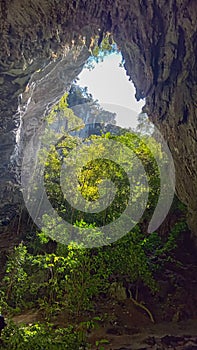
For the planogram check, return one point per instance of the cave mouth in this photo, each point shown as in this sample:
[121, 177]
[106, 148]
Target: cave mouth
[81, 95]
[157, 42]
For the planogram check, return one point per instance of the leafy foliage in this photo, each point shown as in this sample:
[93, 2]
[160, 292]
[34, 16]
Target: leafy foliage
[103, 45]
[72, 277]
[39, 336]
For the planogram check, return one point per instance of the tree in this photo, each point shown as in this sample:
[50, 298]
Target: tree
[102, 46]
[89, 110]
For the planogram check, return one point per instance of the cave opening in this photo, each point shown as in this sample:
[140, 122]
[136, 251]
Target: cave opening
[107, 82]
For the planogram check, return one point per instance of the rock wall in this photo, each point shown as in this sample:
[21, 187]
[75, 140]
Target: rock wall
[158, 41]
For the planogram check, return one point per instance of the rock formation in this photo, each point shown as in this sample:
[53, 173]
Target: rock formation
[43, 48]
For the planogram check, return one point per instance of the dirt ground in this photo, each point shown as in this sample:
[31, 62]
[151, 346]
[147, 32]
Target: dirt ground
[122, 324]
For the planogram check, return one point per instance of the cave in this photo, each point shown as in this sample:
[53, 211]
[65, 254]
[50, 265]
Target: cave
[44, 46]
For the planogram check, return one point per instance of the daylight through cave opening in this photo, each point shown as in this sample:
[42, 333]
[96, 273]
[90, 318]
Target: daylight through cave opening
[104, 80]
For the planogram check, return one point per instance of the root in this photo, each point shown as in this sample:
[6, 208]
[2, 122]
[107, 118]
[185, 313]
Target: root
[143, 307]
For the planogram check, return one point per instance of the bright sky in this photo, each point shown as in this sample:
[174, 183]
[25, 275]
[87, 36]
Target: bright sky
[108, 83]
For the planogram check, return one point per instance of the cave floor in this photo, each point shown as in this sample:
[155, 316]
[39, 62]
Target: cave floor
[124, 327]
